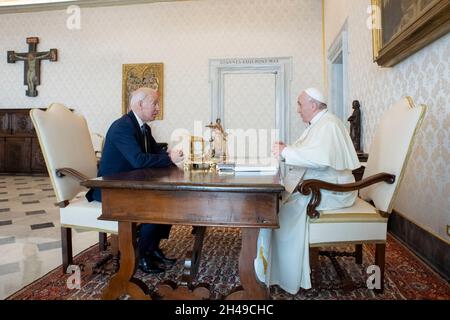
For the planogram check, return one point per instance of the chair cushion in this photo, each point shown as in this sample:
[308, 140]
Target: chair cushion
[358, 223]
[360, 211]
[83, 214]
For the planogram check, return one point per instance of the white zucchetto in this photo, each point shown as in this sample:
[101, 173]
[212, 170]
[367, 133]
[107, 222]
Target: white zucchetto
[316, 95]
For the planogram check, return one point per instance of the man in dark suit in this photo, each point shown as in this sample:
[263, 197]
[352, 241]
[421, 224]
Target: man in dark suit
[129, 145]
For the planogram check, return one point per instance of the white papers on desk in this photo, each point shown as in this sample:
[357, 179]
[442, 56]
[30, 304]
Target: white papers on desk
[254, 173]
[250, 166]
[255, 168]
[263, 165]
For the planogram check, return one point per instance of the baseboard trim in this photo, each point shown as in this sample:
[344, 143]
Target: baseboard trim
[432, 250]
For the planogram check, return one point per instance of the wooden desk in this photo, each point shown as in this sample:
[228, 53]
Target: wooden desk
[174, 196]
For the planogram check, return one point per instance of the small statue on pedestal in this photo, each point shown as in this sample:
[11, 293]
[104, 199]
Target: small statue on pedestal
[355, 126]
[218, 141]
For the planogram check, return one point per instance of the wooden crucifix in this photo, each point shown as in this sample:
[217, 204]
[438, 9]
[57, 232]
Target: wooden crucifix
[32, 60]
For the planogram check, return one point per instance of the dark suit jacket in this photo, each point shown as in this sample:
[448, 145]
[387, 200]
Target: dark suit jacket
[124, 150]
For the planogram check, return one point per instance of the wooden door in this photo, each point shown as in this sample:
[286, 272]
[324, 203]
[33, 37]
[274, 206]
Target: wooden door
[18, 155]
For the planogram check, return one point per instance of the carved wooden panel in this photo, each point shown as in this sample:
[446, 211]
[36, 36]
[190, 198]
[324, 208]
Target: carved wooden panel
[2, 154]
[4, 123]
[18, 155]
[37, 159]
[21, 123]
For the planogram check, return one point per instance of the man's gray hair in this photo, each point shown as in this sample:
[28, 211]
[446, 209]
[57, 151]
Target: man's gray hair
[140, 95]
[319, 104]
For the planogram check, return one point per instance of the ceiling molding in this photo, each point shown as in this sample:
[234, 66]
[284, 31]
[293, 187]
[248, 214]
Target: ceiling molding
[80, 3]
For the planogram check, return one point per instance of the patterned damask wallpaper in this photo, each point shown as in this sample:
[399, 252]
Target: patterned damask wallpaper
[425, 193]
[182, 35]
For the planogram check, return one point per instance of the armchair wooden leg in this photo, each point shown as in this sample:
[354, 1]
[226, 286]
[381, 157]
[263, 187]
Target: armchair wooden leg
[314, 257]
[358, 253]
[314, 265]
[102, 241]
[380, 251]
[66, 246]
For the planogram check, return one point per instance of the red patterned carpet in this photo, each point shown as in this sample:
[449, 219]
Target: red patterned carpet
[406, 276]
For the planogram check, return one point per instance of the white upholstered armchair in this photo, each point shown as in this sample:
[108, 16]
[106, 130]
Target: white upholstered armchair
[70, 158]
[366, 221]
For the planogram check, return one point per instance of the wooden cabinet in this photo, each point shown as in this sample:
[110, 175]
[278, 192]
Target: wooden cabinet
[21, 124]
[37, 159]
[19, 147]
[18, 155]
[2, 154]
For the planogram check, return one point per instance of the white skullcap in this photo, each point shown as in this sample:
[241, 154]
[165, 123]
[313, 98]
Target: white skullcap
[316, 95]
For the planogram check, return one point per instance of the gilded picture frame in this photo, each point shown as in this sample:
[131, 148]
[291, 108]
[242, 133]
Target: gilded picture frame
[149, 75]
[402, 27]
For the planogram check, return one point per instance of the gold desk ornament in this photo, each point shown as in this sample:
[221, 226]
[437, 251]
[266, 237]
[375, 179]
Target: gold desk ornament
[217, 153]
[198, 161]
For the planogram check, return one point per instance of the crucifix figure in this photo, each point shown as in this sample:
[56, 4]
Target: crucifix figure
[32, 60]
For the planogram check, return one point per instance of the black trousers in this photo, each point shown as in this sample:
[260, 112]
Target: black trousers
[150, 235]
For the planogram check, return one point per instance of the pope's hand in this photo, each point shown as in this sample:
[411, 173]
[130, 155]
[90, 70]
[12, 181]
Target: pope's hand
[277, 149]
[176, 155]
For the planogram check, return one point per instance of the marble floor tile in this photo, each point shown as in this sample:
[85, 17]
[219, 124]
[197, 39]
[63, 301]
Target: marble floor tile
[27, 253]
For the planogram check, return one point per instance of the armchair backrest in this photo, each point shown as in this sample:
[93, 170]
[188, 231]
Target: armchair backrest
[391, 149]
[65, 143]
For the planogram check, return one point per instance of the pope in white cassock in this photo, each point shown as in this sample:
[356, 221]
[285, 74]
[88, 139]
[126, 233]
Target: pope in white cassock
[324, 152]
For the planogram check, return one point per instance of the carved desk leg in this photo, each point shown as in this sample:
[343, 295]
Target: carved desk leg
[192, 260]
[124, 282]
[169, 290]
[252, 288]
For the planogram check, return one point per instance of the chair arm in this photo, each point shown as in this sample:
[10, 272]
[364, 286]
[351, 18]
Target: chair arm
[71, 173]
[314, 186]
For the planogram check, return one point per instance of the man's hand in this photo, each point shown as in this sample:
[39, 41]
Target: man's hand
[176, 155]
[277, 149]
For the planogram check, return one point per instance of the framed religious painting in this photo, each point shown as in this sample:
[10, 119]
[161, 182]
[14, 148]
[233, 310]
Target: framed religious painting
[134, 76]
[402, 27]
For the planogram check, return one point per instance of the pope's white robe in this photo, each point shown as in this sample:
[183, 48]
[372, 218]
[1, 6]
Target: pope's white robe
[324, 152]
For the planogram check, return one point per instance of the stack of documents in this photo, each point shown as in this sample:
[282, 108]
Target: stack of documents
[226, 166]
[256, 168]
[269, 167]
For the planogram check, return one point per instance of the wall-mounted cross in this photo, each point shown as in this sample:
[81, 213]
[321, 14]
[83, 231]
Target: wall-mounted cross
[32, 59]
